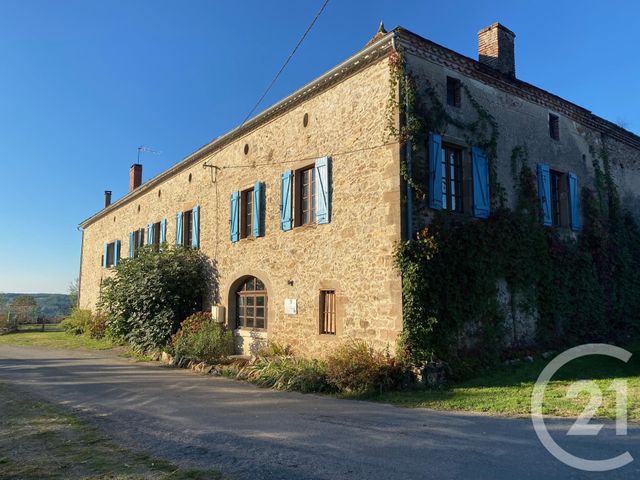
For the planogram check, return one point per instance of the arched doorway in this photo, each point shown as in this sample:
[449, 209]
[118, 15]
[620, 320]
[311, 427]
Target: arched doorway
[251, 304]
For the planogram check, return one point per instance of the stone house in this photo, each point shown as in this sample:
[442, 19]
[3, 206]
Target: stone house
[301, 207]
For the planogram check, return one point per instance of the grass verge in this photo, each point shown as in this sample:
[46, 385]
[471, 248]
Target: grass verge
[41, 441]
[53, 339]
[507, 389]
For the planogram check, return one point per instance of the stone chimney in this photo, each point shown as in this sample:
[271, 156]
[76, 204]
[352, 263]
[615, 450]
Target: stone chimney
[135, 176]
[496, 48]
[107, 198]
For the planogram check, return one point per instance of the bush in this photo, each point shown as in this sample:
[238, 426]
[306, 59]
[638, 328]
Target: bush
[97, 326]
[274, 349]
[287, 373]
[356, 367]
[200, 338]
[149, 295]
[77, 323]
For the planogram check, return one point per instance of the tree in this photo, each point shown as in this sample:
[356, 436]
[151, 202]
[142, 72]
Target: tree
[150, 295]
[74, 290]
[25, 308]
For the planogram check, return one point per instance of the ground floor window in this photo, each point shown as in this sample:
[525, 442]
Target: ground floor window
[251, 304]
[327, 312]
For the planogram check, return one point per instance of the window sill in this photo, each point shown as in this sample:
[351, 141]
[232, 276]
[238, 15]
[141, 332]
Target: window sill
[307, 226]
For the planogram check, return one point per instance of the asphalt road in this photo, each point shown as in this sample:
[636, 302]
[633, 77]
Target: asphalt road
[247, 432]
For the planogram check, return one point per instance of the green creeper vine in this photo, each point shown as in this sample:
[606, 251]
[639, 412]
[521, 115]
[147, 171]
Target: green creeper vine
[583, 287]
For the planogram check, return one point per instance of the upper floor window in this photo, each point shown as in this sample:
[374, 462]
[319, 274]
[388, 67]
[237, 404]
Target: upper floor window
[554, 126]
[246, 213]
[138, 241]
[156, 236]
[246, 218]
[453, 92]
[187, 220]
[559, 198]
[452, 179]
[111, 254]
[305, 198]
[187, 228]
[305, 195]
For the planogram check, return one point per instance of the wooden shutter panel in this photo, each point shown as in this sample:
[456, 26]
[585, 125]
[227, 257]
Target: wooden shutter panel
[132, 243]
[481, 198]
[195, 227]
[258, 192]
[105, 255]
[544, 193]
[322, 173]
[116, 253]
[574, 202]
[234, 219]
[286, 217]
[435, 171]
[179, 228]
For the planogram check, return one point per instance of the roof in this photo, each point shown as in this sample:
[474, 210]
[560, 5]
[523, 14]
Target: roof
[374, 50]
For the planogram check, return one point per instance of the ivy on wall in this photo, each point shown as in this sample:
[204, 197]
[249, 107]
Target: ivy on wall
[580, 288]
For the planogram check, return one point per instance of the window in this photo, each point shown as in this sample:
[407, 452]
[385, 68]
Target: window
[187, 221]
[246, 213]
[327, 312]
[156, 237]
[452, 179]
[251, 304]
[453, 92]
[554, 126]
[111, 254]
[305, 199]
[138, 241]
[559, 199]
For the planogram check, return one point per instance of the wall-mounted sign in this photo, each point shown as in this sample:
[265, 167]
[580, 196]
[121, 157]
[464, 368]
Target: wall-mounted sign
[290, 306]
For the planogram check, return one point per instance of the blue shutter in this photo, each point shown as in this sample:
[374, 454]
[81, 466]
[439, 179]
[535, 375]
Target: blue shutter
[105, 255]
[195, 228]
[544, 193]
[149, 233]
[116, 253]
[323, 186]
[574, 202]
[235, 216]
[258, 192]
[286, 217]
[481, 199]
[179, 228]
[131, 244]
[163, 231]
[435, 171]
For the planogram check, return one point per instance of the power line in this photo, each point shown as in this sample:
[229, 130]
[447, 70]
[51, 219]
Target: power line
[275, 79]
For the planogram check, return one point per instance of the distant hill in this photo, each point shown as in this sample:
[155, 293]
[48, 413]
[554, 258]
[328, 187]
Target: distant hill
[52, 305]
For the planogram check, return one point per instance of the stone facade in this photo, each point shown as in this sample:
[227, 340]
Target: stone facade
[347, 114]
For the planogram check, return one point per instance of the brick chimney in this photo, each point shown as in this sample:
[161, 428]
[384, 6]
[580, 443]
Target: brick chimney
[107, 198]
[496, 48]
[135, 176]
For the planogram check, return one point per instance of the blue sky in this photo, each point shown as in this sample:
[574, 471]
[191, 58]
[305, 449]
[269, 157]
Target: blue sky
[83, 83]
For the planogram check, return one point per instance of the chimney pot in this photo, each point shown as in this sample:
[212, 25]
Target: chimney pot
[496, 48]
[107, 198]
[135, 176]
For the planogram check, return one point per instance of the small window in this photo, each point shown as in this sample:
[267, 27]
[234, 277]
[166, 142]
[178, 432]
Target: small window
[559, 198]
[452, 179]
[138, 241]
[305, 196]
[554, 126]
[187, 220]
[156, 237]
[327, 312]
[246, 213]
[111, 250]
[453, 92]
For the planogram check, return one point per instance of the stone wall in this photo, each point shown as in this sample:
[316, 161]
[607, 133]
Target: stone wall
[352, 254]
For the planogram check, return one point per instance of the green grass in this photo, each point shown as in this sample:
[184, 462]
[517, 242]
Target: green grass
[41, 441]
[54, 339]
[507, 390]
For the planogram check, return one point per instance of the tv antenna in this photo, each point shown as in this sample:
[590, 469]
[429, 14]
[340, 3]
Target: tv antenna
[145, 149]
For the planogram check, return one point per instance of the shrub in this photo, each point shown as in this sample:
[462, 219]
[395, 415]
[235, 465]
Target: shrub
[287, 373]
[77, 322]
[201, 338]
[97, 326]
[356, 367]
[150, 294]
[274, 349]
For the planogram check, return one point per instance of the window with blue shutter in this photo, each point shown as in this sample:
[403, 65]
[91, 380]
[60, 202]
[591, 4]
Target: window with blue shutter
[286, 212]
[435, 171]
[574, 202]
[132, 244]
[544, 193]
[163, 231]
[481, 198]
[150, 234]
[105, 255]
[179, 228]
[234, 217]
[116, 253]
[323, 186]
[258, 227]
[195, 227]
